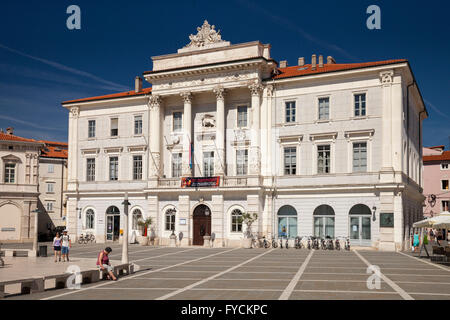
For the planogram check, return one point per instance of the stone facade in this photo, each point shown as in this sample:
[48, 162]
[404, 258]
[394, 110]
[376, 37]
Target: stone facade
[235, 103]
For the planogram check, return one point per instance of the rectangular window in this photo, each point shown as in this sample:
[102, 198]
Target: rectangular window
[177, 121]
[445, 204]
[290, 111]
[114, 127]
[113, 168]
[290, 161]
[50, 187]
[208, 164]
[360, 105]
[360, 157]
[138, 125]
[51, 168]
[91, 129]
[444, 184]
[49, 206]
[444, 166]
[90, 169]
[323, 159]
[176, 165]
[242, 117]
[241, 162]
[137, 167]
[10, 173]
[324, 108]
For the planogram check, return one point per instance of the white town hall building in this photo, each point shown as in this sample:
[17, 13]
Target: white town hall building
[323, 149]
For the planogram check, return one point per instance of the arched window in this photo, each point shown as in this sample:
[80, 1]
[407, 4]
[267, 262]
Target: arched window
[360, 209]
[170, 219]
[136, 216]
[113, 210]
[324, 221]
[236, 223]
[90, 218]
[287, 222]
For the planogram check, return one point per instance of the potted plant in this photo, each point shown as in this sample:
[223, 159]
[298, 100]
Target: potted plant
[144, 224]
[248, 219]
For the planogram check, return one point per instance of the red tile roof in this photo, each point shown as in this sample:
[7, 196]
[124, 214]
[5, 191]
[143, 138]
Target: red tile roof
[445, 156]
[53, 152]
[296, 71]
[10, 137]
[112, 96]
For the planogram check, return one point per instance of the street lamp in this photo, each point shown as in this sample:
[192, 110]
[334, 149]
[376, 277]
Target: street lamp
[374, 218]
[35, 235]
[125, 203]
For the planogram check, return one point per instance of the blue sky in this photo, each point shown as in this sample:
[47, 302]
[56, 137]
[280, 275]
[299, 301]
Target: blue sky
[43, 63]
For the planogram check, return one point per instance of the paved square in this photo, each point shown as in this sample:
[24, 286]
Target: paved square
[258, 274]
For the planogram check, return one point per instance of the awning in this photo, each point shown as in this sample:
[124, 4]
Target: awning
[441, 221]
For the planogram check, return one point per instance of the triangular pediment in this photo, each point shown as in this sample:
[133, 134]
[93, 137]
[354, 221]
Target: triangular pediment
[11, 158]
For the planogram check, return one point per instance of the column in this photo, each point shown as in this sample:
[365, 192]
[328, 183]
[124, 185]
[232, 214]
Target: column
[155, 140]
[386, 78]
[217, 221]
[255, 152]
[73, 149]
[187, 133]
[219, 158]
[184, 213]
[153, 212]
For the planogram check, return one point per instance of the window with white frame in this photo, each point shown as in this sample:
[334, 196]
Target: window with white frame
[324, 108]
[236, 220]
[91, 129]
[444, 166]
[90, 218]
[177, 121]
[241, 162]
[113, 168]
[137, 125]
[444, 184]
[136, 216]
[10, 173]
[170, 219]
[290, 111]
[290, 160]
[208, 164]
[49, 206]
[137, 167]
[50, 187]
[51, 168]
[90, 169]
[360, 157]
[360, 105]
[242, 116]
[323, 159]
[176, 165]
[114, 127]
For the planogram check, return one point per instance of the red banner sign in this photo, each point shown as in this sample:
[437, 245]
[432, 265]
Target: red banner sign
[200, 182]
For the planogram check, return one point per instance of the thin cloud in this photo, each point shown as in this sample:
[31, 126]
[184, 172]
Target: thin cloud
[436, 109]
[114, 86]
[33, 124]
[285, 22]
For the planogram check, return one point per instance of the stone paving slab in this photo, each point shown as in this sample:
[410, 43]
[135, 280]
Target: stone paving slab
[220, 294]
[245, 284]
[342, 286]
[296, 295]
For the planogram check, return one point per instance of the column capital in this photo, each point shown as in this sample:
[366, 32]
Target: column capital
[154, 101]
[255, 88]
[220, 92]
[270, 89]
[74, 112]
[387, 77]
[187, 96]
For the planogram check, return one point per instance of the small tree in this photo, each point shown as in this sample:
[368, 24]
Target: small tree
[144, 224]
[248, 219]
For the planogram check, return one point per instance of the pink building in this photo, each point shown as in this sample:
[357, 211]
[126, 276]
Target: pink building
[436, 176]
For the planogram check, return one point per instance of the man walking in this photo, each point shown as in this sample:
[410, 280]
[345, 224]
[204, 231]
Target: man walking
[66, 244]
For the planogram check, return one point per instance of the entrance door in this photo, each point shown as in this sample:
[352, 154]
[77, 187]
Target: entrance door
[202, 224]
[112, 227]
[360, 233]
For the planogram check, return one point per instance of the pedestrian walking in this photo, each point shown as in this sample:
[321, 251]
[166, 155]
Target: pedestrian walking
[104, 264]
[66, 244]
[416, 241]
[57, 247]
[431, 235]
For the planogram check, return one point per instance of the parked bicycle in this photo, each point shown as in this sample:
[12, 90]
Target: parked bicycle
[347, 244]
[337, 244]
[329, 243]
[298, 243]
[274, 243]
[266, 243]
[87, 238]
[287, 243]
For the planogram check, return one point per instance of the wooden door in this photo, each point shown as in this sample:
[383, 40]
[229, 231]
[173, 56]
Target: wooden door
[202, 224]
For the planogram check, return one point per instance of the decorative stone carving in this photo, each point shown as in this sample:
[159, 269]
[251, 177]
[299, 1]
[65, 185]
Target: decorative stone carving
[255, 88]
[74, 112]
[156, 167]
[187, 97]
[206, 34]
[154, 101]
[208, 121]
[269, 90]
[220, 92]
[386, 77]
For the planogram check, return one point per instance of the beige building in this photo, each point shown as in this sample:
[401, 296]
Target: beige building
[19, 191]
[321, 148]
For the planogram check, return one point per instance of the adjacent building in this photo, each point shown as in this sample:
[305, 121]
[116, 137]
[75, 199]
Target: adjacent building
[436, 170]
[320, 148]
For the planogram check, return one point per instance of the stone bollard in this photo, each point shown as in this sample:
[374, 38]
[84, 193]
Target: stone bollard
[207, 241]
[173, 240]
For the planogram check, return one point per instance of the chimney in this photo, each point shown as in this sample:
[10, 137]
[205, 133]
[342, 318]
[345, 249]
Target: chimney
[138, 84]
[313, 62]
[283, 64]
[321, 61]
[301, 62]
[330, 60]
[10, 130]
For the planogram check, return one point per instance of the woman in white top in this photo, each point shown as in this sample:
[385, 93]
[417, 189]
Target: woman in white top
[57, 246]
